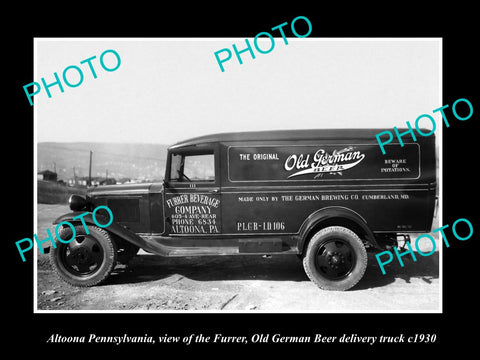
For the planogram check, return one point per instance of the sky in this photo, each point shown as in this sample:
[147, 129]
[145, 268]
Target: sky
[168, 90]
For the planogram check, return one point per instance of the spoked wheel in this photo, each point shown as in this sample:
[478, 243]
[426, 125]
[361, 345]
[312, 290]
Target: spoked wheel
[336, 258]
[88, 259]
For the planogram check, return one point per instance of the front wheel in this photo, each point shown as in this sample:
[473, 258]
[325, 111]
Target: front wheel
[88, 259]
[335, 259]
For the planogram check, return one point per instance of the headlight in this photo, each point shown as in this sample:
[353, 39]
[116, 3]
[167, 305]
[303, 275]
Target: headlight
[77, 202]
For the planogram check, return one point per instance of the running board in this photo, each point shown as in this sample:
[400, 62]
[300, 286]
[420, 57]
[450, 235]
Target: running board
[165, 246]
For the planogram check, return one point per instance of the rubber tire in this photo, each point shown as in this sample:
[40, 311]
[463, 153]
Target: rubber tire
[360, 256]
[109, 248]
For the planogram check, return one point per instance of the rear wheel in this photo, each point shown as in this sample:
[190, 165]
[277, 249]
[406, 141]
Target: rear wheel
[88, 259]
[335, 259]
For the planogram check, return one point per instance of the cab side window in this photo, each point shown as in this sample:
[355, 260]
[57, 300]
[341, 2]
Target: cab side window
[192, 168]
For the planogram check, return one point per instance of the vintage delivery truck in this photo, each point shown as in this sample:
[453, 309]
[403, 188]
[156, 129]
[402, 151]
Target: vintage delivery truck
[328, 196]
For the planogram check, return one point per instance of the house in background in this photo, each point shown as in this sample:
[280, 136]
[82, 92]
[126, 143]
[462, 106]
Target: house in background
[109, 181]
[47, 175]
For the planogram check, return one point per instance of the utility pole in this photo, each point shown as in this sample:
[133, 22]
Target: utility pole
[74, 177]
[54, 167]
[90, 170]
[106, 176]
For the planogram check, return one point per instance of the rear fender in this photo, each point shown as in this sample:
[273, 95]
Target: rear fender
[336, 215]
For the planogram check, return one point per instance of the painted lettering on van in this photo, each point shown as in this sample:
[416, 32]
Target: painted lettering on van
[193, 214]
[323, 161]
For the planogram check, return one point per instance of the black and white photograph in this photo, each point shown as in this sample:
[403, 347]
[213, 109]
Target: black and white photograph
[237, 181]
[261, 187]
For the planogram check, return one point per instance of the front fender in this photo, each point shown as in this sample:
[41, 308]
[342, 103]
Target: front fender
[114, 228]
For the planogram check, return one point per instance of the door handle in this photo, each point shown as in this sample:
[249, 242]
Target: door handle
[215, 191]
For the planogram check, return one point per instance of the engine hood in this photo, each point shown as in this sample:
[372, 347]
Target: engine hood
[126, 189]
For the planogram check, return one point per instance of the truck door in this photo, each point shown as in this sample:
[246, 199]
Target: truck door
[192, 192]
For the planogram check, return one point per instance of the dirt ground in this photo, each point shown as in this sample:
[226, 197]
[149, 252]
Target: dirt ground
[237, 283]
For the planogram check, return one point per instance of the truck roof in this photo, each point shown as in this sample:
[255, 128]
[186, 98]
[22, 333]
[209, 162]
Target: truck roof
[277, 135]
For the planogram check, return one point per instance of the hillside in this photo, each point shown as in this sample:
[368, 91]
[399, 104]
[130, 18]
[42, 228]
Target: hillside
[133, 161]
